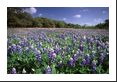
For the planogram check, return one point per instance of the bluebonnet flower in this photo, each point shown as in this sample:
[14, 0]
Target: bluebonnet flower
[63, 55]
[78, 52]
[81, 47]
[57, 50]
[13, 71]
[9, 51]
[38, 55]
[87, 58]
[71, 62]
[19, 49]
[103, 45]
[84, 38]
[44, 49]
[48, 70]
[68, 48]
[60, 64]
[31, 46]
[75, 57]
[88, 40]
[27, 50]
[97, 43]
[94, 66]
[101, 58]
[24, 43]
[39, 45]
[83, 62]
[93, 54]
[75, 37]
[50, 40]
[13, 47]
[62, 36]
[91, 40]
[52, 55]
[21, 43]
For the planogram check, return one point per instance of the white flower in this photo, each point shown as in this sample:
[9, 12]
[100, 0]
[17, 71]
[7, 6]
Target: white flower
[60, 62]
[71, 59]
[33, 69]
[84, 37]
[74, 54]
[24, 71]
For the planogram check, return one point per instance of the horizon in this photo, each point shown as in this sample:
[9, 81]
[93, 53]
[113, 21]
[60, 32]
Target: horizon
[76, 15]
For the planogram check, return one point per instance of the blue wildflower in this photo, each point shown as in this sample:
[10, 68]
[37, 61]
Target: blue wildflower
[52, 55]
[19, 49]
[93, 54]
[27, 50]
[83, 62]
[60, 64]
[101, 58]
[94, 66]
[48, 70]
[38, 55]
[71, 62]
[75, 57]
[13, 71]
[81, 47]
[13, 47]
[87, 58]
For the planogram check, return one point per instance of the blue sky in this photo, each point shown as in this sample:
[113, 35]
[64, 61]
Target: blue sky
[75, 15]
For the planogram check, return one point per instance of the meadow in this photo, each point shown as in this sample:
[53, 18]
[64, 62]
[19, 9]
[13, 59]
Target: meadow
[57, 51]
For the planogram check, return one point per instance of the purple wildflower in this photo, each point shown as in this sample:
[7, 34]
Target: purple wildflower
[87, 58]
[52, 55]
[101, 58]
[48, 70]
[93, 54]
[19, 49]
[13, 71]
[75, 57]
[60, 64]
[83, 62]
[71, 62]
[38, 55]
[13, 47]
[27, 50]
[94, 66]
[81, 47]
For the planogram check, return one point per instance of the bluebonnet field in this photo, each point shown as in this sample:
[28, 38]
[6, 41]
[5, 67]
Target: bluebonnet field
[57, 51]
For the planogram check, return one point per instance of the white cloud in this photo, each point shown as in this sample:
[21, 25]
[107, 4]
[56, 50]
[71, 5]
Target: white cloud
[103, 12]
[30, 10]
[98, 20]
[77, 16]
[84, 10]
[40, 14]
[64, 19]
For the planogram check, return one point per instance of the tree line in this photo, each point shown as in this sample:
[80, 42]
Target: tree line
[16, 17]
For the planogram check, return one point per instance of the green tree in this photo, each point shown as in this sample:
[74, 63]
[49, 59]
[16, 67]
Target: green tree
[16, 17]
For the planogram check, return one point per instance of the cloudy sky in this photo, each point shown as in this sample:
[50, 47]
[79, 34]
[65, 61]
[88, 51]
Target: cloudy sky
[75, 15]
